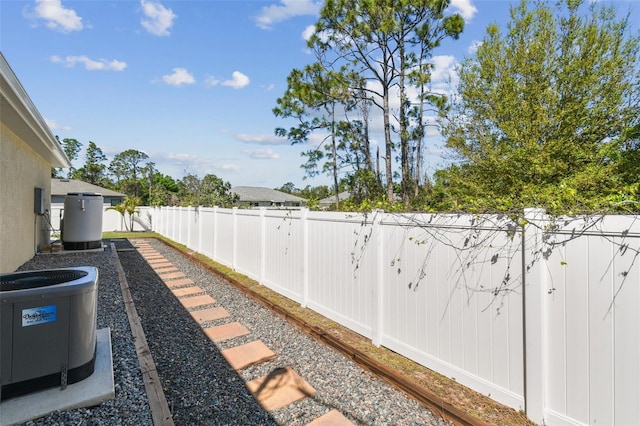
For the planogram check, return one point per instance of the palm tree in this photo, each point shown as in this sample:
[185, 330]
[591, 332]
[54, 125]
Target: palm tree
[128, 206]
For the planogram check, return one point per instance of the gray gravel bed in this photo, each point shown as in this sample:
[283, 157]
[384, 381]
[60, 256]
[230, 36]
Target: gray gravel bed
[200, 387]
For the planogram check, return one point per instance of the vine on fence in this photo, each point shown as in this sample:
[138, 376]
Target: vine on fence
[483, 242]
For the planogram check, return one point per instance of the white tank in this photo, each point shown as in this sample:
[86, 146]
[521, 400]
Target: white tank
[82, 226]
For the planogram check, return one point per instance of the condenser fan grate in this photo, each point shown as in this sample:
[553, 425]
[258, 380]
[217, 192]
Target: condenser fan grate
[38, 279]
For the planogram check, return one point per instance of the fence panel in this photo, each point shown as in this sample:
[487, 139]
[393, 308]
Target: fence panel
[224, 241]
[207, 218]
[339, 287]
[192, 231]
[593, 322]
[248, 239]
[283, 248]
[451, 299]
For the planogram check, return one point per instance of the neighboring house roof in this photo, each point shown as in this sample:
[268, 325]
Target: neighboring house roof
[64, 186]
[257, 194]
[332, 198]
[20, 115]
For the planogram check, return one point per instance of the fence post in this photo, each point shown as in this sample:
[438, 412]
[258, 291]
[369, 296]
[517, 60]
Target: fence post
[189, 211]
[263, 245]
[534, 283]
[199, 218]
[378, 285]
[234, 257]
[305, 256]
[164, 215]
[215, 232]
[174, 231]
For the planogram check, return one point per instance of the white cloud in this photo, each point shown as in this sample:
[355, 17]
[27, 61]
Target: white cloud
[57, 16]
[238, 80]
[262, 154]
[473, 47]
[177, 157]
[444, 77]
[432, 126]
[271, 15]
[157, 19]
[53, 125]
[464, 8]
[261, 139]
[180, 164]
[90, 64]
[308, 32]
[179, 77]
[183, 161]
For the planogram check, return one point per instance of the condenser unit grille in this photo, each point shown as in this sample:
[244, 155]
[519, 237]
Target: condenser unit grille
[38, 279]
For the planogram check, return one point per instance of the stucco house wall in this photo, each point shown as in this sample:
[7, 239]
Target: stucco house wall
[21, 170]
[28, 150]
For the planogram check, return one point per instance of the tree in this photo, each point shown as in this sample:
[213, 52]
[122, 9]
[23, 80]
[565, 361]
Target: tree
[629, 162]
[289, 188]
[127, 207]
[127, 168]
[209, 191]
[71, 149]
[314, 97]
[372, 36]
[163, 191]
[93, 170]
[315, 192]
[543, 109]
[216, 192]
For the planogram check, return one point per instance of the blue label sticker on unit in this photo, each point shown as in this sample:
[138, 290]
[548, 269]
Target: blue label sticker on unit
[40, 315]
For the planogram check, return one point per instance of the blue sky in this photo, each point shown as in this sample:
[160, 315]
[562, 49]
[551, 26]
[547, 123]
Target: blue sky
[192, 83]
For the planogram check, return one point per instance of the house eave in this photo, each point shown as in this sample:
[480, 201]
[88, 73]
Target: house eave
[20, 115]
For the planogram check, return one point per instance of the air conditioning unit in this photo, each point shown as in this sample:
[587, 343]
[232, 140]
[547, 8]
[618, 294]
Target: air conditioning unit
[47, 328]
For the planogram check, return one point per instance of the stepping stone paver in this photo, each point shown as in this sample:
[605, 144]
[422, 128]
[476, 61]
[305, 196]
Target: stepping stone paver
[192, 302]
[165, 269]
[172, 275]
[332, 418]
[178, 282]
[146, 250]
[187, 291]
[247, 355]
[153, 257]
[210, 314]
[225, 332]
[280, 388]
[157, 261]
[161, 265]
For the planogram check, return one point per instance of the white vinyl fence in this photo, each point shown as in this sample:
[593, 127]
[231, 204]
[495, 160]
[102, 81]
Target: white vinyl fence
[447, 292]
